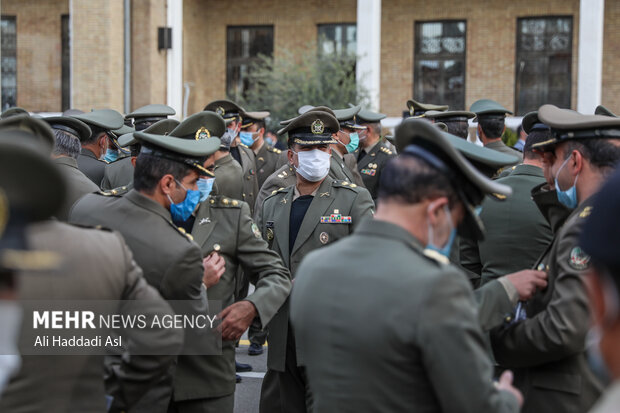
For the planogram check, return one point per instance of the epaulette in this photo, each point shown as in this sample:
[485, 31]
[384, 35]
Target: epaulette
[224, 202]
[345, 184]
[245, 146]
[274, 150]
[283, 175]
[120, 191]
[436, 257]
[182, 231]
[586, 212]
[386, 150]
[275, 191]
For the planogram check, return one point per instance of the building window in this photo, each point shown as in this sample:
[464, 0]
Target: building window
[244, 45]
[544, 57]
[339, 39]
[439, 69]
[9, 61]
[65, 38]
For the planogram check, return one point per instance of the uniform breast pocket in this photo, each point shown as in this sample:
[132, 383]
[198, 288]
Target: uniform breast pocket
[328, 233]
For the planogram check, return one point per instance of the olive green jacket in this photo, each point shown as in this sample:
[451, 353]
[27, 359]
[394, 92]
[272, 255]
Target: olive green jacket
[78, 184]
[225, 226]
[92, 167]
[344, 168]
[171, 262]
[546, 351]
[371, 164]
[228, 177]
[501, 147]
[250, 179]
[96, 265]
[401, 337]
[266, 161]
[118, 173]
[332, 197]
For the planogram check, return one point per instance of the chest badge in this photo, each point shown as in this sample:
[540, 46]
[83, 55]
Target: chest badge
[206, 220]
[336, 218]
[324, 238]
[370, 172]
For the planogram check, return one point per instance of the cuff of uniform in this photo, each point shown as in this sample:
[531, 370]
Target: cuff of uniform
[511, 290]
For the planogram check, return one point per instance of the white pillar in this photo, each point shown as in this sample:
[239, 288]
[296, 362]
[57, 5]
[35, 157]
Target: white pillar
[590, 70]
[175, 57]
[368, 68]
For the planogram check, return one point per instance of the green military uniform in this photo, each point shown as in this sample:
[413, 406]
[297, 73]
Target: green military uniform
[343, 204]
[490, 108]
[501, 147]
[120, 173]
[215, 221]
[266, 160]
[546, 349]
[90, 265]
[228, 178]
[249, 180]
[516, 232]
[103, 119]
[370, 162]
[170, 259]
[418, 347]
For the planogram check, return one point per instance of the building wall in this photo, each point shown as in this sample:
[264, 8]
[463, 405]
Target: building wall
[204, 35]
[611, 56]
[491, 45]
[39, 52]
[97, 54]
[148, 71]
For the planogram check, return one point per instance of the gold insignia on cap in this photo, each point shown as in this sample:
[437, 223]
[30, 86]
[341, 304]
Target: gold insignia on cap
[4, 211]
[202, 133]
[216, 247]
[324, 238]
[317, 127]
[220, 111]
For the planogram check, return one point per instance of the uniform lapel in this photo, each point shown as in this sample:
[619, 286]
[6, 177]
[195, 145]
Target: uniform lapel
[318, 208]
[370, 155]
[261, 157]
[204, 223]
[282, 212]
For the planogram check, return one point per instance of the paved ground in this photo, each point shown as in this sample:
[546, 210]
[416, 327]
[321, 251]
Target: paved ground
[248, 391]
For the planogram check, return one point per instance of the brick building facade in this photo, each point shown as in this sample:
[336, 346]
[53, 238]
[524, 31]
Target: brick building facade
[93, 73]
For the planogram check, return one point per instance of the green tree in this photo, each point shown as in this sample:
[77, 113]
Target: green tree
[283, 84]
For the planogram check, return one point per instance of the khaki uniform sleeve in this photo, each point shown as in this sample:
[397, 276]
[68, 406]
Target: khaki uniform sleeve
[363, 208]
[493, 304]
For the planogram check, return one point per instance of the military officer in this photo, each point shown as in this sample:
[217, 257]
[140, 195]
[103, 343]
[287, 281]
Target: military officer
[120, 172]
[456, 121]
[343, 162]
[547, 346]
[101, 122]
[422, 314]
[69, 132]
[93, 265]
[252, 135]
[517, 233]
[165, 185]
[491, 116]
[373, 153]
[234, 114]
[314, 212]
[418, 109]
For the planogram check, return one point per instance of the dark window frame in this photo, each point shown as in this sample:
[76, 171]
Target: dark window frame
[342, 24]
[233, 61]
[14, 19]
[65, 69]
[542, 54]
[440, 57]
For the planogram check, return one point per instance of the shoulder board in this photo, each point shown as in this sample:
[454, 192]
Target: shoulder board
[182, 231]
[224, 202]
[274, 150]
[244, 146]
[386, 150]
[276, 191]
[112, 192]
[345, 184]
[436, 257]
[586, 212]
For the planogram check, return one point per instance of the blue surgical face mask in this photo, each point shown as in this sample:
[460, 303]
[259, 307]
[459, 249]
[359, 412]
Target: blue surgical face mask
[110, 155]
[232, 132]
[269, 141]
[445, 250]
[247, 138]
[205, 186]
[183, 210]
[355, 142]
[568, 198]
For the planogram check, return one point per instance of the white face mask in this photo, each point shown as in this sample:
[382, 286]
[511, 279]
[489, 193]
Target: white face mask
[10, 325]
[313, 165]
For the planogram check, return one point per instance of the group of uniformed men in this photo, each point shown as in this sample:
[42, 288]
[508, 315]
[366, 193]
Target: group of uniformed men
[382, 282]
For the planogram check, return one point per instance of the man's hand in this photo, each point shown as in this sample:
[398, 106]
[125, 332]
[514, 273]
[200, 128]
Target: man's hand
[214, 268]
[527, 281]
[236, 318]
[505, 383]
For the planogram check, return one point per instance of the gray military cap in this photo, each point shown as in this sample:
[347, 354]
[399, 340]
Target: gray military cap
[531, 123]
[419, 138]
[26, 127]
[418, 108]
[488, 107]
[71, 125]
[14, 111]
[149, 114]
[312, 128]
[602, 110]
[162, 127]
[106, 119]
[227, 109]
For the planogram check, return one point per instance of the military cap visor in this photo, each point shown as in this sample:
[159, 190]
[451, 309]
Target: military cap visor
[225, 108]
[312, 128]
[348, 118]
[251, 117]
[14, 111]
[531, 122]
[488, 107]
[422, 134]
[418, 108]
[200, 125]
[450, 115]
[157, 111]
[106, 119]
[190, 152]
[30, 129]
[368, 116]
[163, 127]
[71, 125]
[568, 124]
